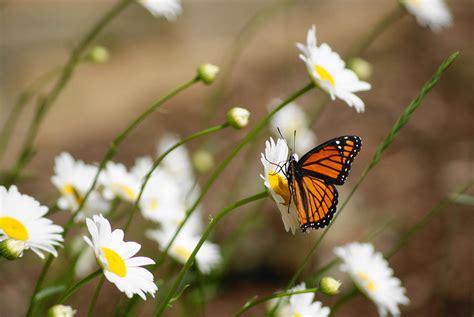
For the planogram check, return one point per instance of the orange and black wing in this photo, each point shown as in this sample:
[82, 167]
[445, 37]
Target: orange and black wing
[331, 161]
[315, 201]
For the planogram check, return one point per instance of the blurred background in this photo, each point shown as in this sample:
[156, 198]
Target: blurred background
[430, 158]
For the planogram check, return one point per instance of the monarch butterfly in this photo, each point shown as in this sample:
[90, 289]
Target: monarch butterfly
[311, 179]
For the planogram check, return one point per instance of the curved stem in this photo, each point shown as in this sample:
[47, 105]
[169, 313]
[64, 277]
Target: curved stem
[255, 301]
[20, 104]
[90, 311]
[108, 156]
[74, 288]
[47, 102]
[221, 214]
[160, 159]
[380, 27]
[235, 50]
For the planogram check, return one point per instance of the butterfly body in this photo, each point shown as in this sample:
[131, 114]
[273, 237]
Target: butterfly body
[311, 179]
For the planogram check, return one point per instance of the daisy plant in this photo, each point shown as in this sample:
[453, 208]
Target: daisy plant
[302, 305]
[329, 72]
[23, 225]
[373, 276]
[117, 260]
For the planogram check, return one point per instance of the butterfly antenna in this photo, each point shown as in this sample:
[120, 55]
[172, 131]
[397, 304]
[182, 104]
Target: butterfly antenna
[294, 140]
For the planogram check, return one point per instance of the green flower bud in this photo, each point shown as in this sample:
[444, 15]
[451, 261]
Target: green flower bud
[203, 161]
[361, 67]
[99, 55]
[207, 73]
[329, 286]
[238, 117]
[12, 249]
[61, 311]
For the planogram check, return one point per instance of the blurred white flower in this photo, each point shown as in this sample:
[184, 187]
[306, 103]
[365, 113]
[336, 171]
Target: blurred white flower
[432, 13]
[73, 179]
[372, 275]
[290, 119]
[115, 256]
[169, 9]
[207, 258]
[119, 183]
[302, 305]
[328, 71]
[177, 163]
[21, 219]
[275, 156]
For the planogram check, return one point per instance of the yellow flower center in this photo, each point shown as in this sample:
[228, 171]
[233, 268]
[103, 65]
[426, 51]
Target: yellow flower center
[68, 189]
[369, 282]
[128, 192]
[279, 185]
[13, 228]
[324, 75]
[296, 314]
[182, 252]
[115, 263]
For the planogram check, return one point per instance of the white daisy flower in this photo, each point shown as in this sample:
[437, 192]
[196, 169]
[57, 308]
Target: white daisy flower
[207, 258]
[302, 305]
[169, 9]
[142, 167]
[21, 219]
[328, 71]
[73, 179]
[118, 182]
[115, 256]
[275, 180]
[162, 201]
[177, 163]
[290, 119]
[372, 275]
[432, 13]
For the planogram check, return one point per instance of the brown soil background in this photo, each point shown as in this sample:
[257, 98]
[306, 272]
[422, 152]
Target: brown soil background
[430, 157]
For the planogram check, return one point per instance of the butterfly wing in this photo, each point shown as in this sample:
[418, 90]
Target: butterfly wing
[315, 201]
[331, 161]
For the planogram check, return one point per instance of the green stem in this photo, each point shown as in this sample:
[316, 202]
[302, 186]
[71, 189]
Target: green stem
[375, 31]
[161, 158]
[428, 217]
[221, 214]
[46, 103]
[344, 299]
[75, 287]
[90, 311]
[19, 106]
[235, 50]
[255, 301]
[108, 156]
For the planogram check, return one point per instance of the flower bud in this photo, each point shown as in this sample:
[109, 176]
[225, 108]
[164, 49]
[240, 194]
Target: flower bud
[99, 54]
[238, 117]
[361, 67]
[12, 249]
[329, 286]
[203, 161]
[61, 311]
[207, 73]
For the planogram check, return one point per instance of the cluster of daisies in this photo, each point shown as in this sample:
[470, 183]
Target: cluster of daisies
[370, 273]
[164, 194]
